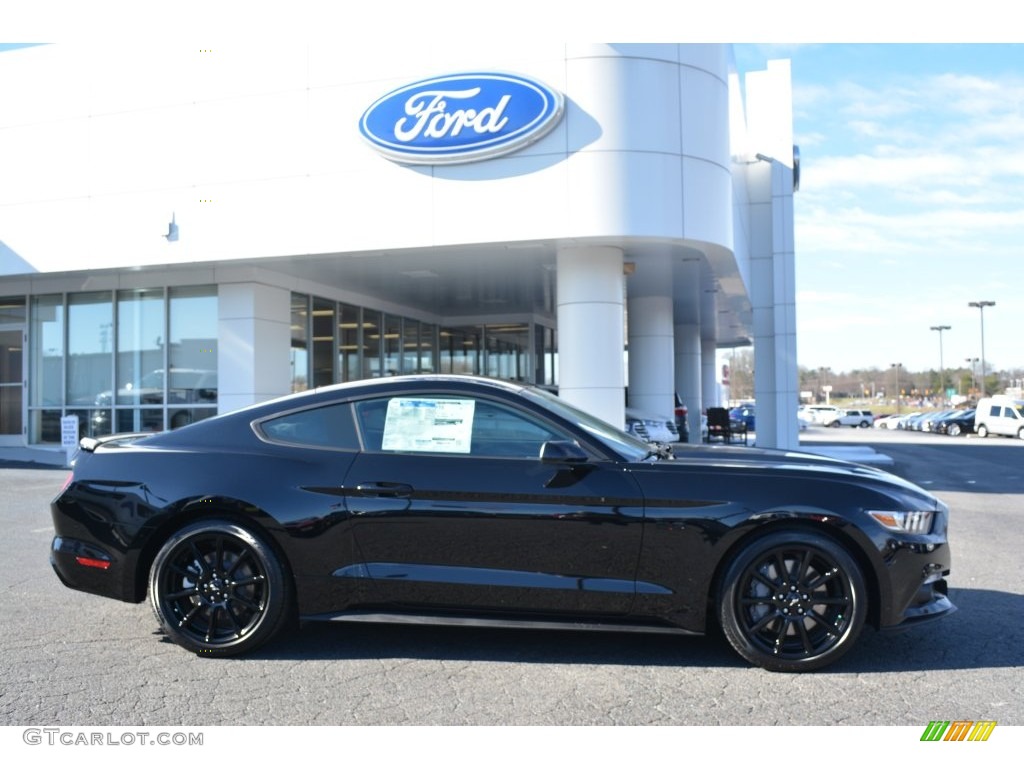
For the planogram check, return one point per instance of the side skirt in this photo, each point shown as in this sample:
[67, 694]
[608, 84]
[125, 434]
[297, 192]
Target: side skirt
[427, 619]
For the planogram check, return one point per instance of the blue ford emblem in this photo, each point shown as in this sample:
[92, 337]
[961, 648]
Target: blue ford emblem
[460, 118]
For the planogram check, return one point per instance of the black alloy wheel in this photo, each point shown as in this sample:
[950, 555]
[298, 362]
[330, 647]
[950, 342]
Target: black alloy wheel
[217, 589]
[792, 601]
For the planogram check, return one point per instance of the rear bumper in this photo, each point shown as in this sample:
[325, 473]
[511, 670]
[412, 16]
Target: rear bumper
[88, 568]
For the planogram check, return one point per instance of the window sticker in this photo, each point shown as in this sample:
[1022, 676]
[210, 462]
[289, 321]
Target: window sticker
[427, 424]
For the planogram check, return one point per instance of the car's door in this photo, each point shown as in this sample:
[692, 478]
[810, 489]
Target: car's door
[453, 509]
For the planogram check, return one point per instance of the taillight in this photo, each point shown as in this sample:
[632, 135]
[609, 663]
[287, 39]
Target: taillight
[91, 562]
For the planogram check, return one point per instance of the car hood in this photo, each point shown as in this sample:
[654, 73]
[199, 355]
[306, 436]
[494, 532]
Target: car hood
[770, 459]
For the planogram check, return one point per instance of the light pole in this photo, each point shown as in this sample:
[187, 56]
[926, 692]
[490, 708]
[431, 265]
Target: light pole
[896, 367]
[981, 307]
[942, 378]
[974, 373]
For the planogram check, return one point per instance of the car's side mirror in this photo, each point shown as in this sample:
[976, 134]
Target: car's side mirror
[562, 452]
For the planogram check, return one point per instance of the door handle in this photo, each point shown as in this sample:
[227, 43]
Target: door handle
[385, 490]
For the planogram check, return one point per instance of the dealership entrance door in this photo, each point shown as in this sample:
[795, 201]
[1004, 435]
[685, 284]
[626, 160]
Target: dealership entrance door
[12, 384]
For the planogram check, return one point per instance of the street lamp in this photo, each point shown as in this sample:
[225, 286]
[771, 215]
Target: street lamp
[942, 377]
[981, 307]
[896, 367]
[974, 373]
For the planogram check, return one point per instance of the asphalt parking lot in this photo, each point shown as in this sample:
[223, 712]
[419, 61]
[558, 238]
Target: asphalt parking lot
[75, 659]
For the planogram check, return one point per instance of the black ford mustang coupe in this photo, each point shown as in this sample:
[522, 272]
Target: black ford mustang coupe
[435, 499]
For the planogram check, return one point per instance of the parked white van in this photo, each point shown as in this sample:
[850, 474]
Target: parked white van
[999, 415]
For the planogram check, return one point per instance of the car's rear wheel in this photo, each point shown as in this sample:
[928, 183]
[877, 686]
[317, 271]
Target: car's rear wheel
[218, 589]
[982, 430]
[864, 425]
[792, 601]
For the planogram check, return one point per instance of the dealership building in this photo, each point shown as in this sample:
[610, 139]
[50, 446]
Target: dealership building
[185, 232]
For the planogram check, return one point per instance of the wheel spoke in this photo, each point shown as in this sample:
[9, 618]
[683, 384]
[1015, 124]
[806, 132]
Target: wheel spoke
[772, 585]
[218, 558]
[185, 571]
[187, 618]
[211, 627]
[198, 557]
[188, 592]
[765, 621]
[781, 568]
[253, 607]
[256, 578]
[830, 629]
[830, 601]
[805, 638]
[827, 576]
[803, 568]
[244, 555]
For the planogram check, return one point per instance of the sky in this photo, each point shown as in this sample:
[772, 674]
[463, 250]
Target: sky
[911, 202]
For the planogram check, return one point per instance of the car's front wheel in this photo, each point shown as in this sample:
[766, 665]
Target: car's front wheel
[218, 589]
[953, 430]
[792, 601]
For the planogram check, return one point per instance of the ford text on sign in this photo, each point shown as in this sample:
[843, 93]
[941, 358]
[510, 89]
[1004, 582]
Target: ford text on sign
[460, 118]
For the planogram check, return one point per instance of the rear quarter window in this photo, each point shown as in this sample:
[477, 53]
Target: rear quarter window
[329, 426]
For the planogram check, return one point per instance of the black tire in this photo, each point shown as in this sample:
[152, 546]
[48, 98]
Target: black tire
[982, 430]
[217, 589]
[792, 601]
[953, 430]
[864, 425]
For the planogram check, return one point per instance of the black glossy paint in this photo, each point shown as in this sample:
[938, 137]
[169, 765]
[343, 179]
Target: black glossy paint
[618, 537]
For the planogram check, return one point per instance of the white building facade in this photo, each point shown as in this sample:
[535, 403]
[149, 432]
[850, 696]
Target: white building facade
[214, 228]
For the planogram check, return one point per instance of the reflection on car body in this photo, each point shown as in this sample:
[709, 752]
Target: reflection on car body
[450, 499]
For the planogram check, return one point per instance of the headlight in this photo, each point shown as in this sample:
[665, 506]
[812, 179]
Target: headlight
[904, 522]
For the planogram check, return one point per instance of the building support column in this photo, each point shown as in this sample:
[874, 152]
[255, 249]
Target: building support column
[773, 299]
[591, 371]
[651, 354]
[711, 393]
[688, 375]
[253, 343]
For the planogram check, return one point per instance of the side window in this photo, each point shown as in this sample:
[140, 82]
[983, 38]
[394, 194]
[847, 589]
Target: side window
[330, 426]
[994, 411]
[449, 424]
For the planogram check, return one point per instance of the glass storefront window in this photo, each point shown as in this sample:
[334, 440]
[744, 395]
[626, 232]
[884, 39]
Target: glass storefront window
[508, 351]
[348, 342]
[141, 333]
[392, 345]
[12, 310]
[323, 342]
[90, 345]
[427, 349]
[46, 373]
[191, 355]
[371, 343]
[460, 350]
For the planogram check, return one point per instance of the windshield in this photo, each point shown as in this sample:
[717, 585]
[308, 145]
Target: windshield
[621, 443]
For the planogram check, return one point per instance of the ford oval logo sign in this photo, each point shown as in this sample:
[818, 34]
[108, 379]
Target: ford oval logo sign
[460, 118]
